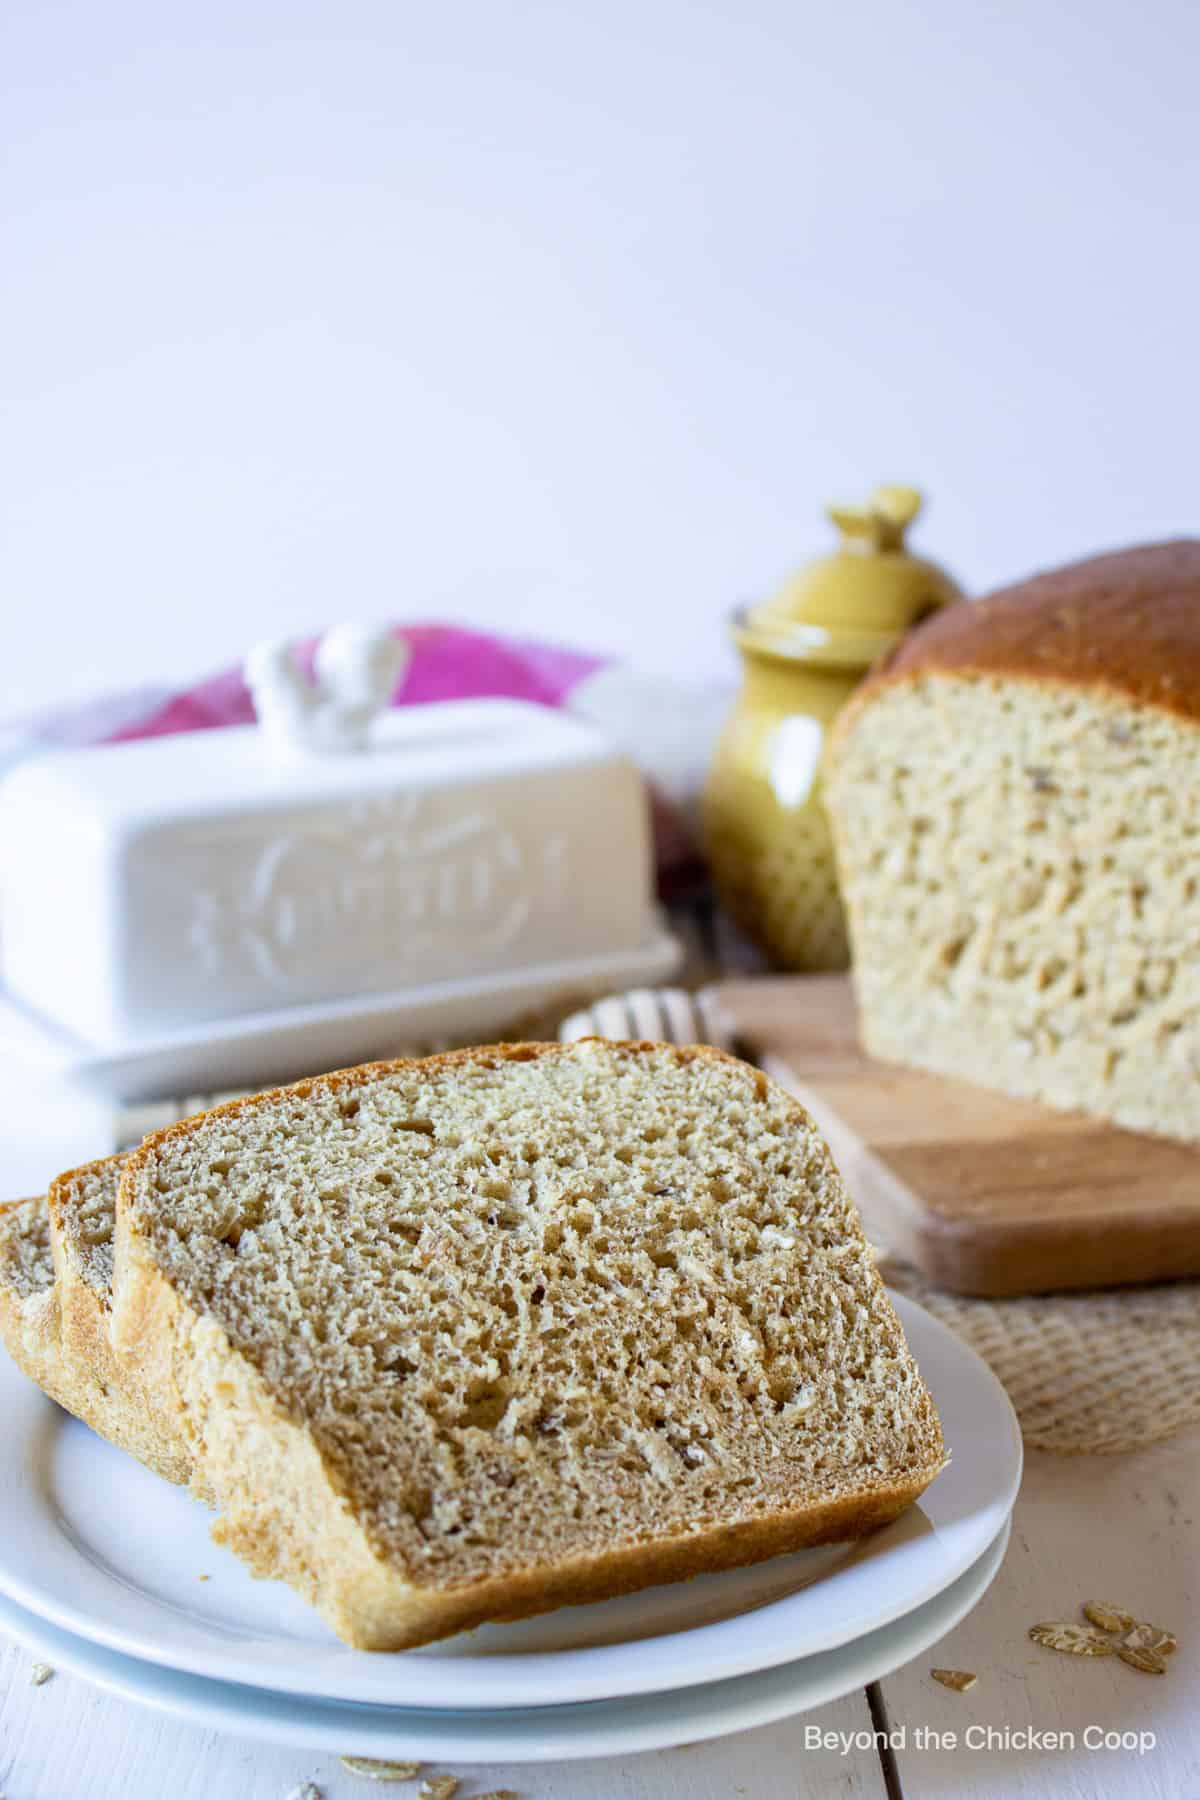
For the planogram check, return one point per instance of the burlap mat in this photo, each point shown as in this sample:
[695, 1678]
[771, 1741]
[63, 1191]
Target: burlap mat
[1088, 1374]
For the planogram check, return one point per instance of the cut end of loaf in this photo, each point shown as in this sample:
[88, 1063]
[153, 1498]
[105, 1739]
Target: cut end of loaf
[1019, 865]
[558, 1321]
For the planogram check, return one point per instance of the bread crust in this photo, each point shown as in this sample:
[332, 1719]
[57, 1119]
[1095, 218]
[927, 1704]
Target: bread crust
[1126, 623]
[284, 1511]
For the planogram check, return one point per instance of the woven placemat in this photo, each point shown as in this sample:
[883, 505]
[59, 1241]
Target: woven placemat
[1088, 1374]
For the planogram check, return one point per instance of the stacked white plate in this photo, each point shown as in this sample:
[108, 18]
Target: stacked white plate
[108, 1572]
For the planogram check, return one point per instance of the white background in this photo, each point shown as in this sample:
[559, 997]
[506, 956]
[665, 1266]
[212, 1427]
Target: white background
[568, 316]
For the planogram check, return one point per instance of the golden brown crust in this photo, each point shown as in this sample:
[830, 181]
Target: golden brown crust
[625, 1571]
[1127, 623]
[283, 1509]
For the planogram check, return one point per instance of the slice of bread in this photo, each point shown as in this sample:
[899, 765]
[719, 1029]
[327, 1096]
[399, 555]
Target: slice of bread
[81, 1207]
[29, 1315]
[77, 1372]
[474, 1337]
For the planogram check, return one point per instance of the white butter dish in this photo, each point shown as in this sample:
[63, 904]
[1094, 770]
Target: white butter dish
[151, 888]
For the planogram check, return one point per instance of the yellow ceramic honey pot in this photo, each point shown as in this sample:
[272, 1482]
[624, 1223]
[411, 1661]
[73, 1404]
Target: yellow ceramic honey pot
[804, 652]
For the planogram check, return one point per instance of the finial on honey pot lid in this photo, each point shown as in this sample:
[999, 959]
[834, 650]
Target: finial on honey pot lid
[355, 673]
[882, 522]
[848, 608]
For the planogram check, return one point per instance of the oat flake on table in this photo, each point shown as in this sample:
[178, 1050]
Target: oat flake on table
[1108, 1618]
[1151, 1637]
[1073, 1640]
[960, 1680]
[372, 1769]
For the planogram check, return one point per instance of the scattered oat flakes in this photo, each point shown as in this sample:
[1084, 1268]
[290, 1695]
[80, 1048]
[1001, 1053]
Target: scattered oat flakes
[1074, 1640]
[308, 1790]
[438, 1787]
[1151, 1637]
[373, 1770]
[204, 1578]
[492, 1794]
[1109, 1618]
[1148, 1661]
[961, 1680]
[40, 1674]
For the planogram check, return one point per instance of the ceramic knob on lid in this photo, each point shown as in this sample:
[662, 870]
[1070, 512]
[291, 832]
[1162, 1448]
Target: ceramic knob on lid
[356, 670]
[805, 650]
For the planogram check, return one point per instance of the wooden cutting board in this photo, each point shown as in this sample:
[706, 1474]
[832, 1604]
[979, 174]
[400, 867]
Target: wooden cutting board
[984, 1194]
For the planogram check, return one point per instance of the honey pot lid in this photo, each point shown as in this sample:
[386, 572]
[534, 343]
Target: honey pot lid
[848, 608]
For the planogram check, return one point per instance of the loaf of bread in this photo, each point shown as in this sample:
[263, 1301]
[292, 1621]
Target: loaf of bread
[474, 1337]
[81, 1207]
[1015, 796]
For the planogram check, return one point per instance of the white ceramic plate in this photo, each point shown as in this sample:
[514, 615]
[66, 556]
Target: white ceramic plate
[93, 1543]
[263, 1047]
[548, 1734]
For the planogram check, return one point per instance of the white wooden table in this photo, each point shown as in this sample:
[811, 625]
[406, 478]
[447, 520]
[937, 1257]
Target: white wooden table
[1121, 1529]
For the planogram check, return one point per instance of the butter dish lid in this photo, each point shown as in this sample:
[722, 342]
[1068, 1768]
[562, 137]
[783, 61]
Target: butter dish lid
[848, 608]
[205, 773]
[323, 737]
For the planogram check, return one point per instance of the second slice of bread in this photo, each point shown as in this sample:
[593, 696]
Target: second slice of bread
[82, 1217]
[30, 1323]
[474, 1337]
[76, 1370]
